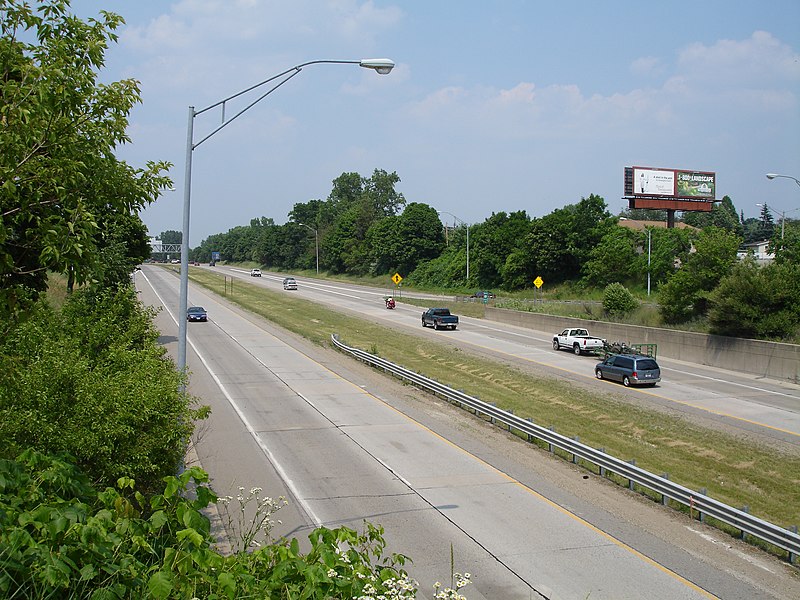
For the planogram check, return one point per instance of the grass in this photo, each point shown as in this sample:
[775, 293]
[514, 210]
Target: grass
[735, 472]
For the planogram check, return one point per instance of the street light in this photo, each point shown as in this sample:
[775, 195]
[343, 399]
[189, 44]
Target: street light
[316, 242]
[381, 65]
[774, 175]
[441, 212]
[782, 213]
[649, 232]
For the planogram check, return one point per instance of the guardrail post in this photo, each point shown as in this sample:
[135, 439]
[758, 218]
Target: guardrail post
[550, 444]
[792, 555]
[602, 468]
[575, 456]
[664, 498]
[630, 481]
[491, 418]
[530, 437]
[511, 412]
[701, 516]
[745, 509]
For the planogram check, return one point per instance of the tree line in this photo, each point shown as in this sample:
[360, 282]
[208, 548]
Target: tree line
[366, 228]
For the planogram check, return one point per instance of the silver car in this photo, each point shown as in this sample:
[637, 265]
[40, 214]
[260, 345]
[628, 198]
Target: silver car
[289, 283]
[629, 369]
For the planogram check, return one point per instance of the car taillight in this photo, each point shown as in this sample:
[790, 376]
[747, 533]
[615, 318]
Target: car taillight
[635, 375]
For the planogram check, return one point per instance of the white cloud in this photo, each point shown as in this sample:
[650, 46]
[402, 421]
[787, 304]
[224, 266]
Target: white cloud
[759, 58]
[645, 65]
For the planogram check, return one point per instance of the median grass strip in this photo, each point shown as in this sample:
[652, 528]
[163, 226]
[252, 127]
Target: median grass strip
[733, 471]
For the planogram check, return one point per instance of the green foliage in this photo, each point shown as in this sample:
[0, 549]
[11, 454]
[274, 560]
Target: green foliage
[92, 381]
[614, 258]
[617, 300]
[758, 302]
[399, 243]
[62, 538]
[560, 243]
[722, 215]
[785, 243]
[685, 296]
[491, 243]
[60, 181]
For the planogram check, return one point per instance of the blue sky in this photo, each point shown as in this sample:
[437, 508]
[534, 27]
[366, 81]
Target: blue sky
[493, 106]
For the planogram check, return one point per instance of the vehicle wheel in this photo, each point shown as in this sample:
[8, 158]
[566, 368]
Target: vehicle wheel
[423, 323]
[454, 327]
[598, 373]
[576, 348]
[555, 345]
[626, 382]
[436, 325]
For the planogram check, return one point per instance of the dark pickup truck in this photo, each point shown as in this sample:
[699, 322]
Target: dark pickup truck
[439, 318]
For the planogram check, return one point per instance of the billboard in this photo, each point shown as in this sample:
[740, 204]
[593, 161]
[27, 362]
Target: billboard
[669, 183]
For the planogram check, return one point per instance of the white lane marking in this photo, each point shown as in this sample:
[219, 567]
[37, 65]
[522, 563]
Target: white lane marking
[746, 557]
[251, 430]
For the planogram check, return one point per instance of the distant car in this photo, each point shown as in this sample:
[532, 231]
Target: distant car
[629, 369]
[196, 313]
[174, 261]
[255, 272]
[483, 295]
[289, 283]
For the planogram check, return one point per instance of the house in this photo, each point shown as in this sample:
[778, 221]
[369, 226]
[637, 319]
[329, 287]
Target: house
[759, 250]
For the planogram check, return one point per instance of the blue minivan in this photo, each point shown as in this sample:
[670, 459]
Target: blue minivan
[629, 369]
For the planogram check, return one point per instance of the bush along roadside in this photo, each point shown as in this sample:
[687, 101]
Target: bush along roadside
[61, 537]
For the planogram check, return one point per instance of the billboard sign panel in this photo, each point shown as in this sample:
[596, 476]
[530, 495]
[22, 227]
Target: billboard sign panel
[694, 184]
[653, 182]
[669, 183]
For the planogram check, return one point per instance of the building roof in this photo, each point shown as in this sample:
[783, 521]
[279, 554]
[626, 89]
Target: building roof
[642, 225]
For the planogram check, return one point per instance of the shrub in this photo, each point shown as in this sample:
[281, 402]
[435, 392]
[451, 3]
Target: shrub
[62, 538]
[91, 381]
[617, 300]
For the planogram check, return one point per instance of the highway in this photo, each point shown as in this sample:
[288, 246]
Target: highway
[766, 410]
[304, 423]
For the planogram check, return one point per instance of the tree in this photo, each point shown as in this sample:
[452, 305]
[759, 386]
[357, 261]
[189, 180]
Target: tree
[722, 215]
[58, 168]
[685, 295]
[559, 243]
[171, 237]
[400, 243]
[757, 302]
[785, 244]
[490, 244]
[614, 259]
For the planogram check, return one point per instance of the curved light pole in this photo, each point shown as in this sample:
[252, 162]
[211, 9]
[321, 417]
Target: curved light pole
[442, 212]
[774, 175]
[380, 65]
[316, 242]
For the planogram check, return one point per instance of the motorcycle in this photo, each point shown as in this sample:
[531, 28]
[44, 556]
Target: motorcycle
[390, 303]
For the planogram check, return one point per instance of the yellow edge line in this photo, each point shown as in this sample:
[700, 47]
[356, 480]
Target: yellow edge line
[563, 510]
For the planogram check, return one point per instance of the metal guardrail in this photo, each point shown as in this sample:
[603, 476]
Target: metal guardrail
[748, 524]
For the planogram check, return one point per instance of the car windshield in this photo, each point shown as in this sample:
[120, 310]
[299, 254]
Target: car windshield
[647, 364]
[197, 309]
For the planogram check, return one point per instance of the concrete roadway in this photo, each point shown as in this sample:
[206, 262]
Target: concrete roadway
[765, 410]
[284, 421]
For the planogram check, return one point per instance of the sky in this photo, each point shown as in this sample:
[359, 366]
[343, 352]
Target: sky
[493, 106]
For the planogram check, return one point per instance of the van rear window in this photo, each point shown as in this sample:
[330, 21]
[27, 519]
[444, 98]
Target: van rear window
[647, 364]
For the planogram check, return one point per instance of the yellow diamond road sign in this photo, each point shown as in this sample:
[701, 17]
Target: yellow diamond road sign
[397, 279]
[538, 282]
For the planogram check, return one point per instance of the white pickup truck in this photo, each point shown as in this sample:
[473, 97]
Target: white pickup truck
[578, 340]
